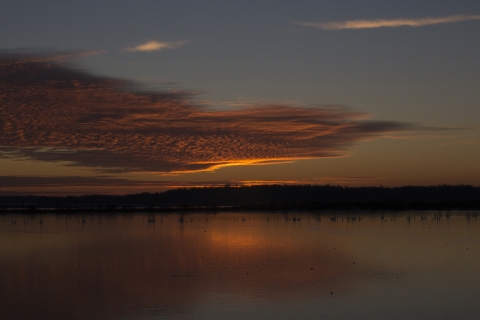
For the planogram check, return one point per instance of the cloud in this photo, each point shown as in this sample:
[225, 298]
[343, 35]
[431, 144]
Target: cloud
[78, 181]
[473, 142]
[157, 46]
[77, 185]
[50, 111]
[379, 23]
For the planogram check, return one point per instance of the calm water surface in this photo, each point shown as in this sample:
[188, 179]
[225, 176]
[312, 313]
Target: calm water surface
[239, 266]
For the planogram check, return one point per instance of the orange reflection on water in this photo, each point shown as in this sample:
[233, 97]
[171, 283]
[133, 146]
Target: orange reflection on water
[119, 266]
[88, 267]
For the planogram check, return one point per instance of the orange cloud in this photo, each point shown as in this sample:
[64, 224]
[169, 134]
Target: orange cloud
[50, 111]
[157, 46]
[379, 23]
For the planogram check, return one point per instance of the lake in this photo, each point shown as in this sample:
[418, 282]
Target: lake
[417, 265]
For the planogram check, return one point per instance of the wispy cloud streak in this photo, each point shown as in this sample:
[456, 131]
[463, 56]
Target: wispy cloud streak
[11, 182]
[50, 111]
[381, 23]
[157, 46]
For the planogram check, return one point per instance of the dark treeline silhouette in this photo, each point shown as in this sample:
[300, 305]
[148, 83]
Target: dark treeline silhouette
[266, 197]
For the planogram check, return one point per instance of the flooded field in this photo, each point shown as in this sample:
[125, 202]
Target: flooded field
[240, 266]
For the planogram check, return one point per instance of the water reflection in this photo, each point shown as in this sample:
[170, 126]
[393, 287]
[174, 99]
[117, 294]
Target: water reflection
[237, 265]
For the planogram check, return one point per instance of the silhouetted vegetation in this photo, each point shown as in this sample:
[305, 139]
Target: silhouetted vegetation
[262, 198]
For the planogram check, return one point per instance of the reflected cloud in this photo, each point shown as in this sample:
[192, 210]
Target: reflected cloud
[380, 23]
[51, 111]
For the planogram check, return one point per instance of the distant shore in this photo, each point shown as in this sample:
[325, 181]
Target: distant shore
[258, 198]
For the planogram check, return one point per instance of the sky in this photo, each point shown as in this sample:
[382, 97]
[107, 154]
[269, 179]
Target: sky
[120, 97]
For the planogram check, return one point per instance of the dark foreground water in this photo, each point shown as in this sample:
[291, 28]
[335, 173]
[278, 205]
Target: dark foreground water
[240, 266]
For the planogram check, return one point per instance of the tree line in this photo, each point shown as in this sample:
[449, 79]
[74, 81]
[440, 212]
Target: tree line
[266, 197]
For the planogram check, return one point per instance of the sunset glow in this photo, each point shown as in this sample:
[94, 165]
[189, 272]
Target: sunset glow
[291, 94]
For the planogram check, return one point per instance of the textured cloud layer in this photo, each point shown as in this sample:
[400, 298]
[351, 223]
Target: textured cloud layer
[50, 111]
[369, 24]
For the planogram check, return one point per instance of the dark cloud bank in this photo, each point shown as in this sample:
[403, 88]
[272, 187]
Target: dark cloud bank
[51, 111]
